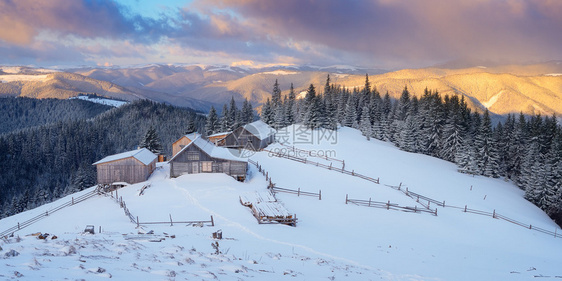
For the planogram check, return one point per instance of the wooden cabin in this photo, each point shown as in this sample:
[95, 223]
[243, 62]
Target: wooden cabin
[255, 136]
[182, 142]
[202, 156]
[130, 167]
[218, 138]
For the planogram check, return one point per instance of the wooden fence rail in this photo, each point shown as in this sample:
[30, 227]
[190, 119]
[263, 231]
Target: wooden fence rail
[317, 164]
[135, 219]
[387, 205]
[73, 201]
[298, 192]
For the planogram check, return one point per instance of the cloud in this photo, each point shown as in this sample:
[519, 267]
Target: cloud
[413, 31]
[379, 33]
[81, 18]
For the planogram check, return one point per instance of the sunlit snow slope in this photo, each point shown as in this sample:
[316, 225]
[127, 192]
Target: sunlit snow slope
[332, 240]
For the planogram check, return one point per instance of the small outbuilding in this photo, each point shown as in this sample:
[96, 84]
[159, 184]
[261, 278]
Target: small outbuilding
[202, 156]
[130, 167]
[218, 138]
[255, 136]
[182, 142]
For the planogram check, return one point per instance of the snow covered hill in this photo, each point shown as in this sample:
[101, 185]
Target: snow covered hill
[332, 240]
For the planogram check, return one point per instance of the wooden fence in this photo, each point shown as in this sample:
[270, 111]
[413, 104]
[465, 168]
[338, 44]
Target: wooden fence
[387, 205]
[287, 219]
[73, 201]
[135, 219]
[329, 167]
[273, 187]
[425, 201]
[298, 192]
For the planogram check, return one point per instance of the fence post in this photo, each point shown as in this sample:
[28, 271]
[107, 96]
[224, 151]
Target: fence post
[555, 232]
[388, 205]
[46, 213]
[415, 208]
[171, 222]
[407, 192]
[443, 203]
[399, 186]
[369, 201]
[72, 201]
[345, 201]
[18, 225]
[116, 195]
[330, 165]
[436, 211]
[353, 172]
[138, 221]
[319, 194]
[378, 181]
[465, 208]
[299, 192]
[212, 221]
[494, 214]
[530, 226]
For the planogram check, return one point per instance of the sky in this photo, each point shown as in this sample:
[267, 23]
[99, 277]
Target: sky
[388, 34]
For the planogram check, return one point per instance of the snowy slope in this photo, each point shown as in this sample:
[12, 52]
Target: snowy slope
[110, 102]
[332, 240]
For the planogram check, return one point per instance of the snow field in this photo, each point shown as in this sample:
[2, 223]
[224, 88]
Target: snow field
[332, 240]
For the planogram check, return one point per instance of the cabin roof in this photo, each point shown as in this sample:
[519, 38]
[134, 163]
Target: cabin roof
[144, 155]
[212, 150]
[191, 136]
[259, 129]
[219, 134]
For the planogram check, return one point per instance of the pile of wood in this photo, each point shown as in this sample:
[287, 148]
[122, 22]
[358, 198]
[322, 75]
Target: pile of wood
[266, 208]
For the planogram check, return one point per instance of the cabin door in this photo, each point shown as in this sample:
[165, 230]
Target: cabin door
[195, 167]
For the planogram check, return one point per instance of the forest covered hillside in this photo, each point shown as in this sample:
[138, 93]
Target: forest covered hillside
[20, 113]
[45, 162]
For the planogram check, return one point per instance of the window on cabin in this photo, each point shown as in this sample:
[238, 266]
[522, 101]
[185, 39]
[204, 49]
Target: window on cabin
[192, 155]
[207, 166]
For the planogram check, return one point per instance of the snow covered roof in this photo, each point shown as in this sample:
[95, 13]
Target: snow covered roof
[213, 151]
[219, 134]
[143, 155]
[190, 136]
[260, 129]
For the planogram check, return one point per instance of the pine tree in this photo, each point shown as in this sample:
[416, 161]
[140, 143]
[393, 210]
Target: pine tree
[233, 116]
[487, 157]
[314, 117]
[350, 114]
[225, 121]
[247, 114]
[190, 126]
[290, 107]
[366, 125]
[211, 124]
[151, 141]
[267, 114]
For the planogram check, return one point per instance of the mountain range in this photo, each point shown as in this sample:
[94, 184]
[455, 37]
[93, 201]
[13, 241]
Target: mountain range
[531, 89]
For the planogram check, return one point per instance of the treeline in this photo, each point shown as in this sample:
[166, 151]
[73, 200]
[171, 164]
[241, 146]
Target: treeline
[231, 117]
[43, 163]
[21, 112]
[524, 149]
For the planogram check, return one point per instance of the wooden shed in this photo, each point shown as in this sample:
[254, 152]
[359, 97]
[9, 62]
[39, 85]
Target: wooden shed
[182, 142]
[130, 167]
[254, 136]
[202, 156]
[218, 138]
